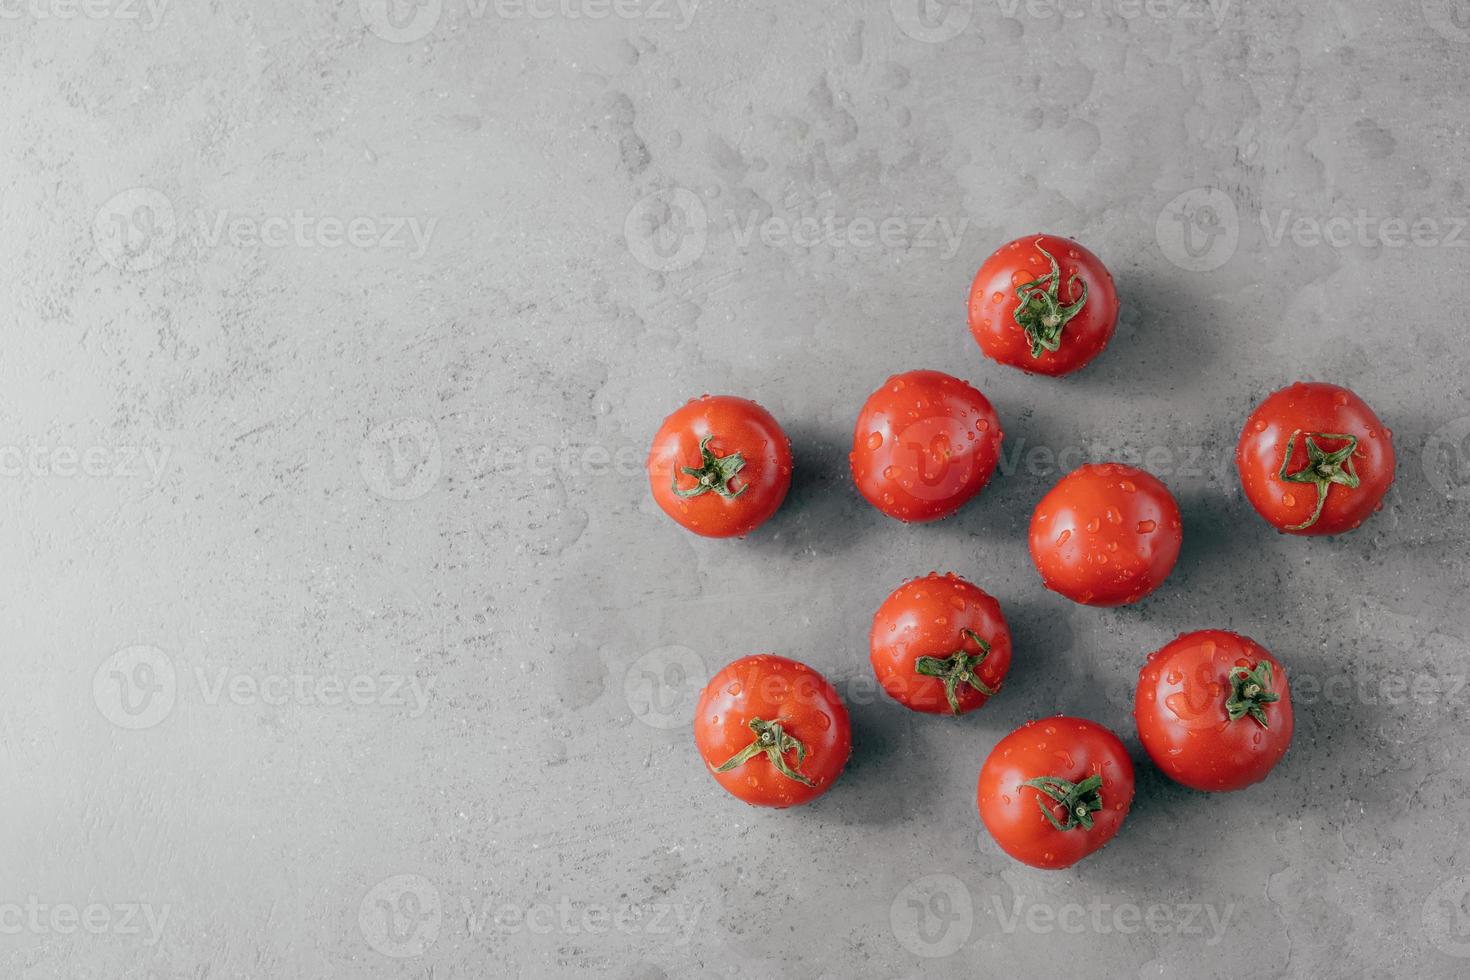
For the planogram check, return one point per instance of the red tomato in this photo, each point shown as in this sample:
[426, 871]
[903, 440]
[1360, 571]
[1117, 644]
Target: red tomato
[940, 645]
[1043, 304]
[1314, 459]
[1053, 791]
[1213, 710]
[720, 466]
[1106, 534]
[773, 731]
[924, 444]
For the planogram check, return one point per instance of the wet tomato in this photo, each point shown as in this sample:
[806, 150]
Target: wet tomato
[1043, 304]
[1053, 791]
[720, 466]
[925, 443]
[1213, 710]
[1314, 459]
[1106, 535]
[773, 731]
[940, 645]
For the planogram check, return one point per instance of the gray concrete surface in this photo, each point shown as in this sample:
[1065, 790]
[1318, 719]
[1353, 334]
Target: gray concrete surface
[344, 641]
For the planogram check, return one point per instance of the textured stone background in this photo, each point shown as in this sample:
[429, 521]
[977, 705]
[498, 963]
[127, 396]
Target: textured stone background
[343, 639]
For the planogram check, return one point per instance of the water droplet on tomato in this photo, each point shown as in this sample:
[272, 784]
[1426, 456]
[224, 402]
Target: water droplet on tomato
[1113, 516]
[875, 440]
[734, 689]
[1127, 486]
[982, 424]
[997, 296]
[1062, 538]
[1145, 527]
[1288, 499]
[1093, 525]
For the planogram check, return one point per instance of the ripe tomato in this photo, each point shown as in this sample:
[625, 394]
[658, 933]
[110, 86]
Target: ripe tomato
[720, 466]
[773, 731]
[1213, 710]
[940, 645]
[1053, 791]
[1043, 304]
[1314, 459]
[924, 444]
[1106, 535]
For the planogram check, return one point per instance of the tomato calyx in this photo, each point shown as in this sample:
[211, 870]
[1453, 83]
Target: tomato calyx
[1250, 688]
[956, 669]
[1041, 313]
[774, 742]
[712, 473]
[1079, 800]
[1323, 468]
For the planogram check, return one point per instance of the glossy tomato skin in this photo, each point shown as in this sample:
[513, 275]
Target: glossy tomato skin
[993, 302]
[772, 688]
[732, 425]
[1069, 748]
[928, 617]
[925, 443]
[1181, 711]
[1106, 535]
[1306, 408]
